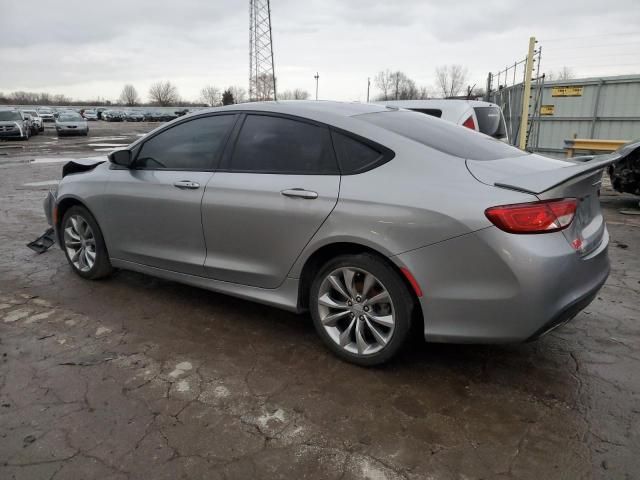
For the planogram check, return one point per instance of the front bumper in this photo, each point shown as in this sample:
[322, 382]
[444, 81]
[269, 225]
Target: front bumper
[11, 134]
[495, 287]
[71, 131]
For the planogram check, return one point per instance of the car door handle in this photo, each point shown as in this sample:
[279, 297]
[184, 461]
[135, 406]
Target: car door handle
[299, 193]
[188, 184]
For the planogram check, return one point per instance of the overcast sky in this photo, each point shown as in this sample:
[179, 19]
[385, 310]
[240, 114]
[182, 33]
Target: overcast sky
[85, 49]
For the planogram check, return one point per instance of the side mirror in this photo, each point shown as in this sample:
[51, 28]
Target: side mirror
[121, 157]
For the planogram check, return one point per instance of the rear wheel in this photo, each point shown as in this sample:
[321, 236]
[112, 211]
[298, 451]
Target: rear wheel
[361, 308]
[84, 244]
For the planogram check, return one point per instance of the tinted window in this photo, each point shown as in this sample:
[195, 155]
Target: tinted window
[280, 145]
[434, 112]
[192, 145]
[9, 115]
[490, 121]
[354, 156]
[444, 136]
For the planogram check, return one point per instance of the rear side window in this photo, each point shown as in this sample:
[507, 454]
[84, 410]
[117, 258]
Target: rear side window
[355, 156]
[443, 136]
[490, 121]
[268, 144]
[434, 112]
[192, 145]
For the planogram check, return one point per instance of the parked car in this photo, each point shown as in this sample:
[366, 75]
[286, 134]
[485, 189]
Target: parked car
[46, 114]
[100, 111]
[36, 120]
[90, 115]
[153, 116]
[14, 124]
[113, 116]
[369, 217]
[71, 123]
[133, 116]
[480, 116]
[33, 128]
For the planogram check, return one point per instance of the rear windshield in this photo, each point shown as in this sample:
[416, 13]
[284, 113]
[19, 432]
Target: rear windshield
[434, 112]
[9, 116]
[490, 121]
[443, 136]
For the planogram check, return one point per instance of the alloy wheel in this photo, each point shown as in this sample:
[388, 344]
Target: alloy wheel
[80, 243]
[356, 310]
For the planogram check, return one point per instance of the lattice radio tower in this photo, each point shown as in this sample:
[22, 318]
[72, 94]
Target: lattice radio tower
[262, 80]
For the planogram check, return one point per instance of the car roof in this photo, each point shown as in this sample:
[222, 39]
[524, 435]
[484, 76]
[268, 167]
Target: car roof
[436, 103]
[319, 110]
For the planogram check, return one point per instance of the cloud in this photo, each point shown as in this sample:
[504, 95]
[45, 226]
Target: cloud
[86, 49]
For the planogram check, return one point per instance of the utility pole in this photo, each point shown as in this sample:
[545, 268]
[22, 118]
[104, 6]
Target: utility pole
[317, 77]
[526, 95]
[368, 87]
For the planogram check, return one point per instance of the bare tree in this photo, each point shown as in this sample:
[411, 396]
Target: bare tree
[211, 95]
[239, 94]
[164, 93]
[264, 90]
[565, 73]
[398, 86]
[129, 95]
[384, 81]
[451, 79]
[297, 94]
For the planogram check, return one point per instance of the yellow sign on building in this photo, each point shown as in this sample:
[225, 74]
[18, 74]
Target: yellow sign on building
[547, 109]
[566, 91]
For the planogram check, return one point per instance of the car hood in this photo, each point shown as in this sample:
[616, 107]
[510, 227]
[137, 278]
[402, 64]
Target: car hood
[79, 165]
[10, 122]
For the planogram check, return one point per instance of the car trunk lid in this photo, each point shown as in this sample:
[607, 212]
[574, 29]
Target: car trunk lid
[549, 178]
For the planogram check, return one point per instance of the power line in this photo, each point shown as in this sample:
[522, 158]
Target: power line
[592, 46]
[593, 65]
[590, 36]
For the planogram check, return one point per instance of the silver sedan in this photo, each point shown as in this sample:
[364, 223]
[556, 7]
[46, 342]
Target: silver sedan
[71, 123]
[374, 219]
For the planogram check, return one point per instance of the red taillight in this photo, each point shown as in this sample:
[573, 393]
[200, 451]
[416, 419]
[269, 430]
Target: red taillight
[536, 217]
[469, 123]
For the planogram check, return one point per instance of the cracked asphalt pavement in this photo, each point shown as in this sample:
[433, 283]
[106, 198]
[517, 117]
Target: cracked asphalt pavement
[134, 377]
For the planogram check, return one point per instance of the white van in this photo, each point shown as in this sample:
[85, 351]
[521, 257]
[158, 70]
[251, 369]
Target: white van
[480, 116]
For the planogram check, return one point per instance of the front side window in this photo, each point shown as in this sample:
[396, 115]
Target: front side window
[192, 145]
[269, 144]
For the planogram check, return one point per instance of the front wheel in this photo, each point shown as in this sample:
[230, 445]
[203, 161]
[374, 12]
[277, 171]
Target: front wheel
[361, 308]
[84, 244]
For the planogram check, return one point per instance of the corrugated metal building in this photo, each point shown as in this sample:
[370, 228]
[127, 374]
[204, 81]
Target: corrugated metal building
[599, 108]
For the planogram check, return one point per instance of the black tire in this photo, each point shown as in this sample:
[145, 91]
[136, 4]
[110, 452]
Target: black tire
[403, 306]
[102, 266]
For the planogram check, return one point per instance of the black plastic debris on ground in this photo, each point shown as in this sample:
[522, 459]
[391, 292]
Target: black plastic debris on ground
[43, 242]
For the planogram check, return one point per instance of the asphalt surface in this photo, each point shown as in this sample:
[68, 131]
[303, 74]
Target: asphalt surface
[134, 377]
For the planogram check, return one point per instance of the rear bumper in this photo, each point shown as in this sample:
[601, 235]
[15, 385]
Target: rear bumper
[494, 287]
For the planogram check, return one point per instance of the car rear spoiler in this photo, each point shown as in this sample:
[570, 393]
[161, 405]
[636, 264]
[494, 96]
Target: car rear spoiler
[540, 182]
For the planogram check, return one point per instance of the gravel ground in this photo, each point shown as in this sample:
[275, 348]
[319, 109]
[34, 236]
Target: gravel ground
[135, 377]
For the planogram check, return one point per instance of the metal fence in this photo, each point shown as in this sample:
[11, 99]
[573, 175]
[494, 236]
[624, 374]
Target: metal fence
[598, 108]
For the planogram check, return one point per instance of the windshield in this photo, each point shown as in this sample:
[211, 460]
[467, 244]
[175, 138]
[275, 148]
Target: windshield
[9, 116]
[45, 110]
[443, 136]
[490, 121]
[65, 117]
[31, 112]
